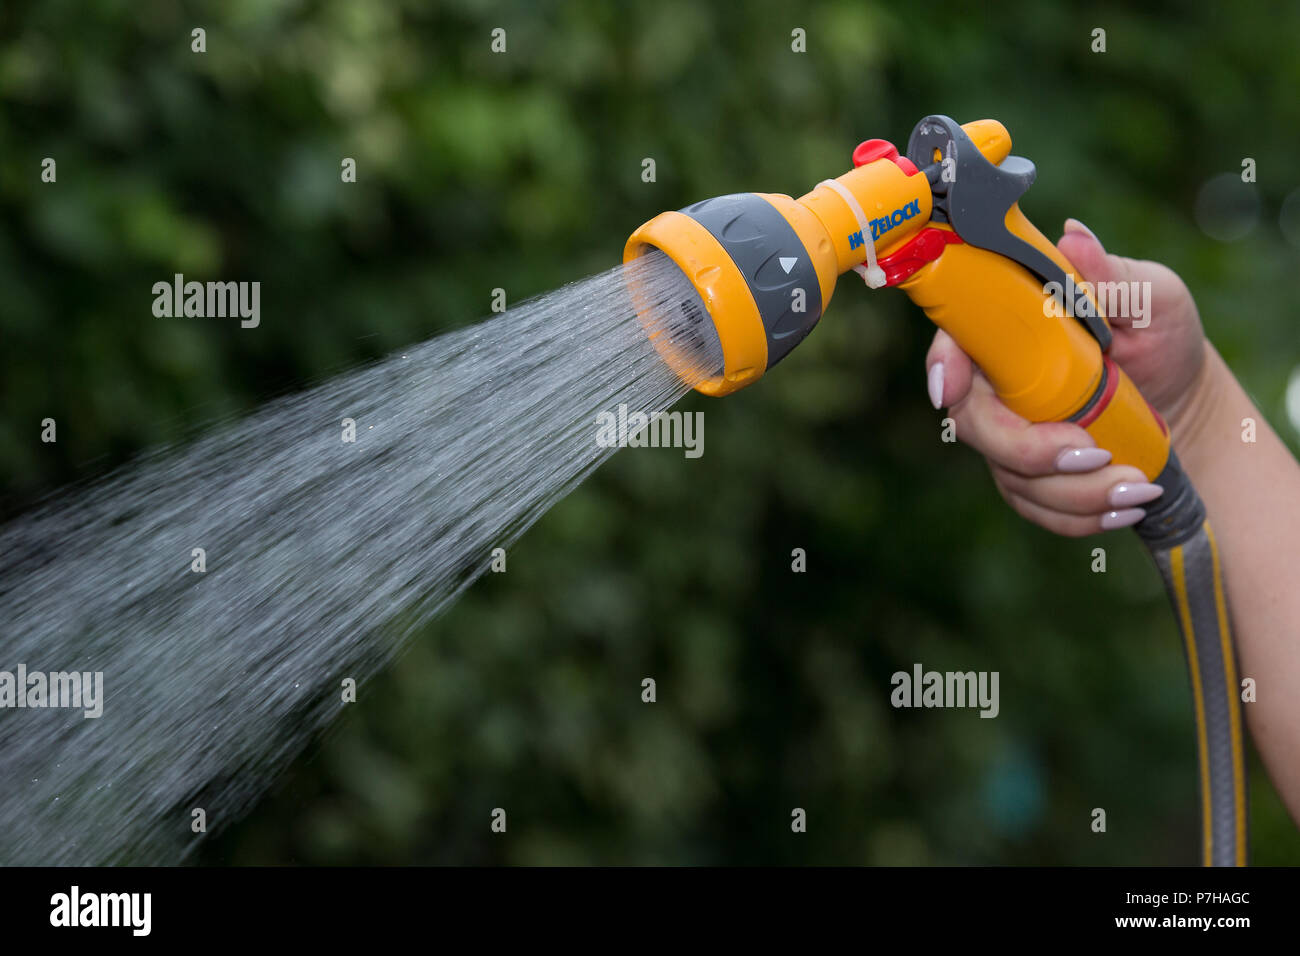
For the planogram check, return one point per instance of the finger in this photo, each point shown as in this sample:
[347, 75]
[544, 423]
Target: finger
[1068, 525]
[1107, 489]
[948, 371]
[1095, 265]
[1020, 446]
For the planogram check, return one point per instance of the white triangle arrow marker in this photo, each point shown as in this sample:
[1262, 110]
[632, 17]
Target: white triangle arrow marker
[788, 263]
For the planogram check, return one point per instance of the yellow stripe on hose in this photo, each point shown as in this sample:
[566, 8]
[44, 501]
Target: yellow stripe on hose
[1230, 675]
[1198, 698]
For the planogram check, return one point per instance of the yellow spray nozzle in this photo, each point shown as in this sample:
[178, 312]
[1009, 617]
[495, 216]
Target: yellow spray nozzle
[765, 264]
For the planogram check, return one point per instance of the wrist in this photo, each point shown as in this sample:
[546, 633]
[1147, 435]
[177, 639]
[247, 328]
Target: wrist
[1196, 420]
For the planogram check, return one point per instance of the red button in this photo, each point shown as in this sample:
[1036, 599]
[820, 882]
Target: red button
[874, 149]
[922, 249]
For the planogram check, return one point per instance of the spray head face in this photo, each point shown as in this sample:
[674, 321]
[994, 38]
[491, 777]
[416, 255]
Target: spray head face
[758, 284]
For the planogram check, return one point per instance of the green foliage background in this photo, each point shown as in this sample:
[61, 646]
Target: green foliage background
[523, 171]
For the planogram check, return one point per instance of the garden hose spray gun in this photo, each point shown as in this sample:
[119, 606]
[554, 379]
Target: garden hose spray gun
[944, 225]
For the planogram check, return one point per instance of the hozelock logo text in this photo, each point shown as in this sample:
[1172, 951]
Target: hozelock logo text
[923, 688]
[885, 223]
[74, 908]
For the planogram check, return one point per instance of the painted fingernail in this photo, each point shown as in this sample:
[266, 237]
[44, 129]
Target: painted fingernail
[1073, 225]
[1082, 459]
[1135, 493]
[1122, 518]
[934, 384]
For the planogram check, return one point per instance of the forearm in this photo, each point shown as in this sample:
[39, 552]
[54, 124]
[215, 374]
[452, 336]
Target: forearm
[1251, 491]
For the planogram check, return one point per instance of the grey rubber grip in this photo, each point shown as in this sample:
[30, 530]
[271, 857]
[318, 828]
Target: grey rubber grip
[1176, 515]
[758, 237]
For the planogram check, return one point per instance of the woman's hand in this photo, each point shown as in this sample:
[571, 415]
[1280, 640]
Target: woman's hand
[1052, 473]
